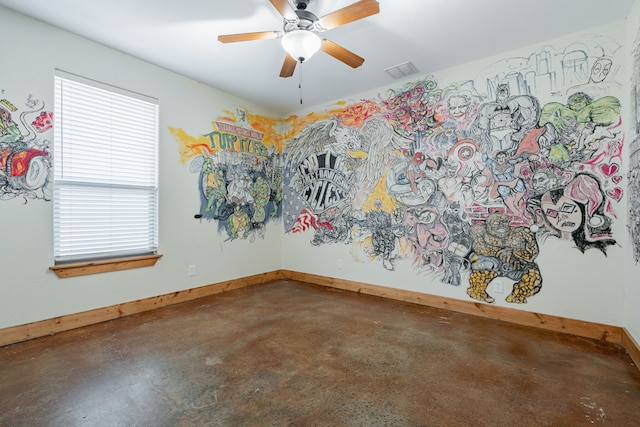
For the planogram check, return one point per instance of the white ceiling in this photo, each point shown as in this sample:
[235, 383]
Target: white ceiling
[433, 34]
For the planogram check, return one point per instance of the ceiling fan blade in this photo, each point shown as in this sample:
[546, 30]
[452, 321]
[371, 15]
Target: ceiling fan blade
[350, 13]
[341, 54]
[283, 7]
[244, 37]
[288, 67]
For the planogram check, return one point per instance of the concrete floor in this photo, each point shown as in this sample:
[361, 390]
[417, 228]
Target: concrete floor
[291, 354]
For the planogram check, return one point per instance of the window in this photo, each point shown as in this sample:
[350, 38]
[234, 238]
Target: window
[105, 200]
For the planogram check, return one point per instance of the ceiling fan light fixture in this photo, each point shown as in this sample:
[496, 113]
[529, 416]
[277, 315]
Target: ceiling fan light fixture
[301, 44]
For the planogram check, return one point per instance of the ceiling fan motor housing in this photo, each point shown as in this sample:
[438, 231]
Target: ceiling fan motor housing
[304, 21]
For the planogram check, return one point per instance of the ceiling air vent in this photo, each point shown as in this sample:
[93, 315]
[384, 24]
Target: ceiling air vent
[402, 70]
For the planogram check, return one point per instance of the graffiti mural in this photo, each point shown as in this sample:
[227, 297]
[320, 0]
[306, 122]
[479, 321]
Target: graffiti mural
[633, 215]
[335, 183]
[467, 180]
[25, 161]
[634, 198]
[239, 175]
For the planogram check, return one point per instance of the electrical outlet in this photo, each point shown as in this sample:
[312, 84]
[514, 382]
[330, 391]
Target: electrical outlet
[497, 287]
[192, 270]
[339, 263]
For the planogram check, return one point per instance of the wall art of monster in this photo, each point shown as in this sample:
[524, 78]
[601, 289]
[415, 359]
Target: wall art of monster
[466, 180]
[239, 173]
[25, 161]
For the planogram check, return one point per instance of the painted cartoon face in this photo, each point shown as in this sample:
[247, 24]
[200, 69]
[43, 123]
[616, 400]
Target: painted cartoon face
[498, 225]
[458, 106]
[451, 171]
[564, 215]
[479, 187]
[543, 182]
[502, 92]
[600, 70]
[427, 217]
[578, 101]
[411, 219]
[427, 187]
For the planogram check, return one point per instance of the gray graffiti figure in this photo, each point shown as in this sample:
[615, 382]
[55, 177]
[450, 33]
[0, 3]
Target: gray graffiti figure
[459, 244]
[502, 124]
[383, 235]
[634, 210]
[276, 193]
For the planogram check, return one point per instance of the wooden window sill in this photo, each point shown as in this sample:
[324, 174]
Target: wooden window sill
[92, 267]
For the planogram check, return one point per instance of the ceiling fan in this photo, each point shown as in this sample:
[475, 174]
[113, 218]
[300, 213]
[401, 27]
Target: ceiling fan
[301, 28]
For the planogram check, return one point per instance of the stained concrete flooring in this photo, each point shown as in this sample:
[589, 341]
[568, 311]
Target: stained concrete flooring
[292, 354]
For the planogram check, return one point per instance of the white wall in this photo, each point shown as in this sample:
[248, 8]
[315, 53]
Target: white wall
[587, 286]
[29, 291]
[632, 270]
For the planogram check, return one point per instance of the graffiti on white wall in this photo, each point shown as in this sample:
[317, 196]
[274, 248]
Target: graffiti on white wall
[25, 161]
[239, 176]
[633, 217]
[464, 181]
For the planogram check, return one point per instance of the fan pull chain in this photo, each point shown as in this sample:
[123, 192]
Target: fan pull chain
[300, 81]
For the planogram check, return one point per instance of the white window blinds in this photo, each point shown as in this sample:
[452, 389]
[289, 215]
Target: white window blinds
[105, 171]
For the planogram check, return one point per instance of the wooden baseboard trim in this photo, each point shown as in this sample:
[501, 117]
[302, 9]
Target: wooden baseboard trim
[16, 334]
[632, 347]
[544, 321]
[614, 334]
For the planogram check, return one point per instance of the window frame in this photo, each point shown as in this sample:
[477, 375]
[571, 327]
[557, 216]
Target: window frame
[117, 244]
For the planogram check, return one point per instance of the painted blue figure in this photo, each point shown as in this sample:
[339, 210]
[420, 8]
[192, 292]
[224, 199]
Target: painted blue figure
[510, 188]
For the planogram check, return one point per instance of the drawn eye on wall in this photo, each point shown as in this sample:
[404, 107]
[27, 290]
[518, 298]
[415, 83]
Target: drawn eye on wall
[552, 213]
[568, 208]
